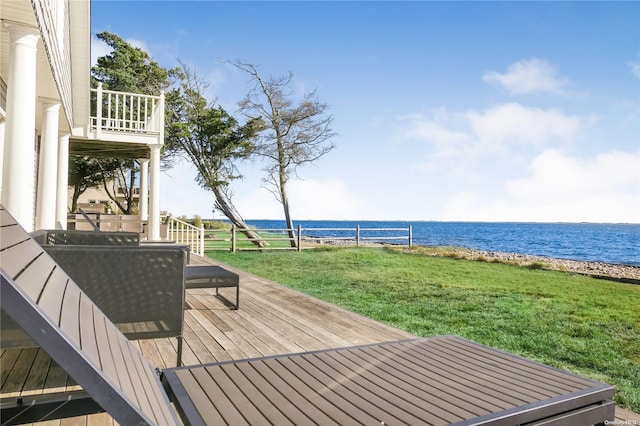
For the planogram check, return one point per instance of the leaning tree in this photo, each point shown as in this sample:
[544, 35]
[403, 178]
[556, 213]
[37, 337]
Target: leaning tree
[296, 133]
[212, 140]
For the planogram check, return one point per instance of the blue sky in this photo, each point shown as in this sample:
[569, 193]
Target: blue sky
[465, 111]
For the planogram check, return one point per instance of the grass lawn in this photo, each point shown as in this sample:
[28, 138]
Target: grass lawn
[221, 240]
[577, 323]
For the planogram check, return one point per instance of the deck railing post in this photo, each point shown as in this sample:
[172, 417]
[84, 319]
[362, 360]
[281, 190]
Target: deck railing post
[201, 239]
[99, 112]
[299, 237]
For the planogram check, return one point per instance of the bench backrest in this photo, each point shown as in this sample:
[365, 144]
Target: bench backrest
[41, 298]
[140, 288]
[60, 237]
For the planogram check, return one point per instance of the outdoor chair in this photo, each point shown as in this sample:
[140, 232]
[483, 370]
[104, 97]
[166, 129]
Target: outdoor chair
[442, 380]
[141, 288]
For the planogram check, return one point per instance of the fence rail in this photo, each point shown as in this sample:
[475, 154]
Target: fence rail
[278, 239]
[201, 240]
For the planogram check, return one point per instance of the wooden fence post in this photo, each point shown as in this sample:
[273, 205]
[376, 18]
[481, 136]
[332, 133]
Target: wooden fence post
[233, 238]
[410, 236]
[358, 235]
[299, 237]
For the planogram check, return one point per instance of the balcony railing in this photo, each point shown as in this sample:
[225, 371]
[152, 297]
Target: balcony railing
[124, 112]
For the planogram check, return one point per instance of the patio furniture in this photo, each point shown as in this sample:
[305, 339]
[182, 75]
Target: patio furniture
[208, 276]
[443, 380]
[140, 288]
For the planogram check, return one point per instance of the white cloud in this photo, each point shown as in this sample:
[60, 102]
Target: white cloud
[98, 48]
[328, 198]
[140, 44]
[456, 140]
[528, 76]
[513, 123]
[561, 188]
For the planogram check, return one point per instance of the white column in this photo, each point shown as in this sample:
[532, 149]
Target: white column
[18, 160]
[1, 151]
[144, 189]
[47, 173]
[62, 196]
[154, 194]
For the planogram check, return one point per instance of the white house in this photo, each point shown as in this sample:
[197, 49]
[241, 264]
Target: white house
[48, 111]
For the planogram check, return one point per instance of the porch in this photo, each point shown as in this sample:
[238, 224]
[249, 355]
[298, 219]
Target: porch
[272, 320]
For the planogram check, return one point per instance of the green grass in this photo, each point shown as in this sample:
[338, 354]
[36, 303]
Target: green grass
[573, 322]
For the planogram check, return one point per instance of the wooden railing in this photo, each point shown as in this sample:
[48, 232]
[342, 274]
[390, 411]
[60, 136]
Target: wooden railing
[125, 112]
[233, 239]
[278, 239]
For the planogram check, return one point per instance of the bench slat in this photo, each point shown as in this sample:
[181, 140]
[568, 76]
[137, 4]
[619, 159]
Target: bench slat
[70, 317]
[88, 329]
[17, 257]
[34, 278]
[12, 234]
[52, 295]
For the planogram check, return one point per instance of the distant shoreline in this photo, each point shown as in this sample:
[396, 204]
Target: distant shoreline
[608, 243]
[618, 272]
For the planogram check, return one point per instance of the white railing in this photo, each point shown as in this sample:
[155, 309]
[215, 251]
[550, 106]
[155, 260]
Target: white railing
[184, 233]
[125, 112]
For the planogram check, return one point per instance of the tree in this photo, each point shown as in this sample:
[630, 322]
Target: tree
[213, 140]
[296, 133]
[129, 69]
[121, 184]
[85, 173]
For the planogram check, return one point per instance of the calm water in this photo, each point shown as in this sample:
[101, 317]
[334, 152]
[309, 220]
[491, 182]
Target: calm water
[611, 243]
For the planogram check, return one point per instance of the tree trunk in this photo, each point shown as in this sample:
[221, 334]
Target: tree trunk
[287, 216]
[74, 198]
[113, 197]
[226, 207]
[282, 176]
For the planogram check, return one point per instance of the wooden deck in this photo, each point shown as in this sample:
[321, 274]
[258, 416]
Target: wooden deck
[271, 320]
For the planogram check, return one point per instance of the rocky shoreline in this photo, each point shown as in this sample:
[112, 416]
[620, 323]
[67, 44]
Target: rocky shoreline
[622, 273]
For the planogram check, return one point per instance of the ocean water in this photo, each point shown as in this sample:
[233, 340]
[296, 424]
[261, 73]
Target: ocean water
[611, 243]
